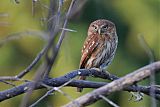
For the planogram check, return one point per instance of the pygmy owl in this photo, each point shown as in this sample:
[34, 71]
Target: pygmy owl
[99, 47]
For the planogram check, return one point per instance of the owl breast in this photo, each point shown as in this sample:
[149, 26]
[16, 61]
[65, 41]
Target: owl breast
[103, 57]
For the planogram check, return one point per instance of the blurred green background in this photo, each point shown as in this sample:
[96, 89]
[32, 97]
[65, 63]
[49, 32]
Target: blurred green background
[132, 18]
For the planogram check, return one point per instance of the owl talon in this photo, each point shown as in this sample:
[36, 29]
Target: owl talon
[101, 70]
[105, 71]
[97, 69]
[136, 96]
[155, 86]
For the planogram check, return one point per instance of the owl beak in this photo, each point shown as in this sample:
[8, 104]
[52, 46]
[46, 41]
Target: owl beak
[99, 31]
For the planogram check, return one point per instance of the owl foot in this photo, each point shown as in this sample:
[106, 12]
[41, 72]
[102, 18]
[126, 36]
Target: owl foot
[101, 70]
[155, 86]
[97, 69]
[136, 96]
[105, 71]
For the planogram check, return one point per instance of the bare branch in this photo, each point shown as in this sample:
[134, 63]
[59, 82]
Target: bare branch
[56, 82]
[116, 85]
[24, 72]
[34, 62]
[62, 35]
[46, 67]
[49, 93]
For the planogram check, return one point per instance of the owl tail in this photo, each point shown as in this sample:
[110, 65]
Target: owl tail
[81, 78]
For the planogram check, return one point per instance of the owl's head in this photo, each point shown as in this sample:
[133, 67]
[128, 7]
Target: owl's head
[102, 27]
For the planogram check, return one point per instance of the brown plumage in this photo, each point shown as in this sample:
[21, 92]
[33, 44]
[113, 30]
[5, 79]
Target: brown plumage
[99, 47]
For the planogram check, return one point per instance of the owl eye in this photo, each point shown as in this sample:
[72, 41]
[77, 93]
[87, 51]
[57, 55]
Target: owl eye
[95, 27]
[105, 27]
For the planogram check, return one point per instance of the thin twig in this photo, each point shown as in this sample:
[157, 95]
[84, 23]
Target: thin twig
[33, 63]
[9, 83]
[147, 49]
[41, 98]
[70, 30]
[33, 7]
[65, 94]
[62, 35]
[49, 93]
[19, 35]
[38, 78]
[65, 24]
[109, 101]
[151, 57]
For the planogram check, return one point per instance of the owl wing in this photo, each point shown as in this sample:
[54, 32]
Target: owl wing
[89, 46]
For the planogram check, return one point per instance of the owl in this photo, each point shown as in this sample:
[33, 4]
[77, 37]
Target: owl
[99, 47]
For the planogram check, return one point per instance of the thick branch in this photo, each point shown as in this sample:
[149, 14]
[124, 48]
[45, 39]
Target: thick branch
[55, 82]
[116, 85]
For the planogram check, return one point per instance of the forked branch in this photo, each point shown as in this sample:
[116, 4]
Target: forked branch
[118, 84]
